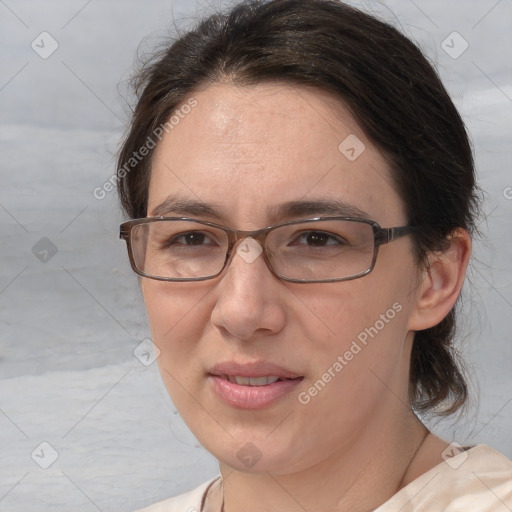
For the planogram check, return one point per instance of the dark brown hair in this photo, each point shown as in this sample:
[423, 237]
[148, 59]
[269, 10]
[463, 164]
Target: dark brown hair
[393, 92]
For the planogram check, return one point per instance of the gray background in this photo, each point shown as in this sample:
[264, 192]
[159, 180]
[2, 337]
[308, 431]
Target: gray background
[71, 313]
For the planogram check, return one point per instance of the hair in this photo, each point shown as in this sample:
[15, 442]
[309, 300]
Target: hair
[388, 85]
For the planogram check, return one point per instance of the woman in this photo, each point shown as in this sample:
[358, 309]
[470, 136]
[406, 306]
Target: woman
[302, 196]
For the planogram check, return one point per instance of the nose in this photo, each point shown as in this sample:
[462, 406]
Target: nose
[250, 299]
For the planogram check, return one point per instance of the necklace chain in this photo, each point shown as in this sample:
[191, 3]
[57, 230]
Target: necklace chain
[412, 458]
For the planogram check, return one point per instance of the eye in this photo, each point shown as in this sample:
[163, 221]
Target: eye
[190, 239]
[319, 239]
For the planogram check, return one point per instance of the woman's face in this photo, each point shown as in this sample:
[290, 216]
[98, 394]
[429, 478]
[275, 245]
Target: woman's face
[245, 151]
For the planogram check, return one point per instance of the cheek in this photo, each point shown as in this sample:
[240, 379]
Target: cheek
[176, 316]
[338, 313]
[358, 363]
[356, 328]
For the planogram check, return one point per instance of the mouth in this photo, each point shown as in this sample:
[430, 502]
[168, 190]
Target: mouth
[252, 386]
[253, 381]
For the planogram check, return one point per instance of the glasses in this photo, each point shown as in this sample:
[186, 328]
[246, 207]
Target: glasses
[318, 250]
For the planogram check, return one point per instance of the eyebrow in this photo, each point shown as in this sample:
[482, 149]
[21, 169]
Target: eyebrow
[176, 205]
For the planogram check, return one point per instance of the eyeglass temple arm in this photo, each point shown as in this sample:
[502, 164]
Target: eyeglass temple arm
[386, 235]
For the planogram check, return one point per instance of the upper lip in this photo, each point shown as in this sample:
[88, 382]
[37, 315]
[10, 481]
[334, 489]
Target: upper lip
[254, 369]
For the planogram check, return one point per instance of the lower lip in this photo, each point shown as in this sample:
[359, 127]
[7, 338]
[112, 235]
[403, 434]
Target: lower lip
[252, 397]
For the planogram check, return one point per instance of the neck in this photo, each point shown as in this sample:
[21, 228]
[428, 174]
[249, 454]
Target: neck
[359, 477]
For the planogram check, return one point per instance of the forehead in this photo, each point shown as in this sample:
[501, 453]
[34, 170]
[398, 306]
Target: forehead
[248, 149]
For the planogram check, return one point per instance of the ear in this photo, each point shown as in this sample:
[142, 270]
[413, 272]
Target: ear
[441, 282]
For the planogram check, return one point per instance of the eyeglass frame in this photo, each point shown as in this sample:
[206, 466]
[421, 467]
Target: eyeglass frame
[381, 236]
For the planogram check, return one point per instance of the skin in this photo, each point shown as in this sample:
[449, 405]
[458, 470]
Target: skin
[357, 442]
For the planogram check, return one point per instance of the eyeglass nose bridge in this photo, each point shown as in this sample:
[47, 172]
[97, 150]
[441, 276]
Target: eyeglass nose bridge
[236, 236]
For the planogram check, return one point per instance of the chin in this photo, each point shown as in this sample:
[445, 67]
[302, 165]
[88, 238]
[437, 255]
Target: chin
[257, 456]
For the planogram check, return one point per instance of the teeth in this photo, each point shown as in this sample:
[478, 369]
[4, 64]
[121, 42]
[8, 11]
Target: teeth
[252, 381]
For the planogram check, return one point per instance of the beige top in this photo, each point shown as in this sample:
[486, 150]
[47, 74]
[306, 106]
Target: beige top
[478, 480]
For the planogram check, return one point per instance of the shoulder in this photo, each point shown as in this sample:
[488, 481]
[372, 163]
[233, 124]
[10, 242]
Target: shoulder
[479, 479]
[187, 502]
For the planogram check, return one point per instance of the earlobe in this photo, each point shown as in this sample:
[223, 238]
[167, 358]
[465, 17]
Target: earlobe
[441, 282]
